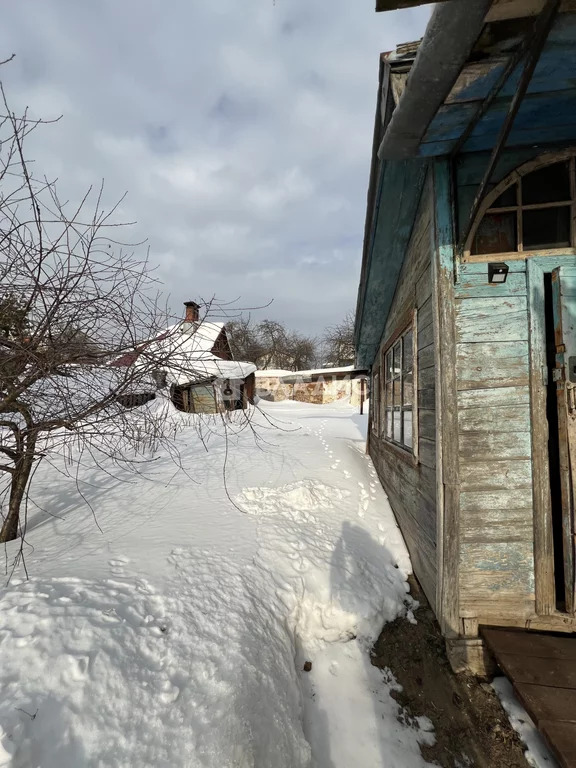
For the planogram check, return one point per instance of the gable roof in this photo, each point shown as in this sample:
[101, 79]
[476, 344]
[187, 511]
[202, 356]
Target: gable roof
[184, 353]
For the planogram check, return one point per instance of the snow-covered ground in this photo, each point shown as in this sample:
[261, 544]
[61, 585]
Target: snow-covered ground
[178, 635]
[176, 631]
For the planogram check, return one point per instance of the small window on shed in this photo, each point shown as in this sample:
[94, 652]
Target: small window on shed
[533, 213]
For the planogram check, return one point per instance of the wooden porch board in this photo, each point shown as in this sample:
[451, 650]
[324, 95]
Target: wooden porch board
[542, 702]
[542, 669]
[545, 646]
[561, 738]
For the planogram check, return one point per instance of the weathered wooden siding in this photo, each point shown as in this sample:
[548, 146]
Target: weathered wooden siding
[494, 425]
[410, 483]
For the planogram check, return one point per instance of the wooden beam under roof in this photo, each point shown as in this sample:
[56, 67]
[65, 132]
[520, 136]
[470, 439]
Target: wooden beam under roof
[517, 9]
[392, 5]
[501, 9]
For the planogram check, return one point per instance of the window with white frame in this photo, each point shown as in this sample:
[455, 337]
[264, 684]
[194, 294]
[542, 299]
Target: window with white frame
[398, 390]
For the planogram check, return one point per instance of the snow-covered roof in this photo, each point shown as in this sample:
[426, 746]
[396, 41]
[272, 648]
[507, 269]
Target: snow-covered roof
[320, 371]
[184, 353]
[272, 372]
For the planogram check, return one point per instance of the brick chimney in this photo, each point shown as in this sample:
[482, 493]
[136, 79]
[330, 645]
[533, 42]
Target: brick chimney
[192, 312]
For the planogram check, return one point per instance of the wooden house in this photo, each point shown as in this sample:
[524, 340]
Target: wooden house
[467, 309]
[192, 360]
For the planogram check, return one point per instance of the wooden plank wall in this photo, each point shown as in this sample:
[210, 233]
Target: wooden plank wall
[411, 484]
[496, 505]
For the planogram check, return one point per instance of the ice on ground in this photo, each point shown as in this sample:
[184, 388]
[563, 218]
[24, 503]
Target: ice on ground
[178, 636]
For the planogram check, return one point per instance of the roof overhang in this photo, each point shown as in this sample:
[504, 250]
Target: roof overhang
[392, 5]
[399, 189]
[468, 69]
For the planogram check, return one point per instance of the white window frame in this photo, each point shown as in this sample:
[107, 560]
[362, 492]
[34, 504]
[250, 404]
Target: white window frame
[388, 409]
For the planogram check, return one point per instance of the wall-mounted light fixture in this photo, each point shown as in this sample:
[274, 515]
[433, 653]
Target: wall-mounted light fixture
[497, 272]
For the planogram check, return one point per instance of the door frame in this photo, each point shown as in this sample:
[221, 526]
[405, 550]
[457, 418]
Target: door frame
[544, 586]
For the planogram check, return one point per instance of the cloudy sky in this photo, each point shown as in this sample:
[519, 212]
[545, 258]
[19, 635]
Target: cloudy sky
[241, 130]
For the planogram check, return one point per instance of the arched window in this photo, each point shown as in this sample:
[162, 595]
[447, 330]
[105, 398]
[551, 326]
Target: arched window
[533, 209]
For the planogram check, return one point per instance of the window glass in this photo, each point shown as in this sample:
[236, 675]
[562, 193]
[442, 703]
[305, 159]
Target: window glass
[399, 390]
[389, 364]
[407, 391]
[547, 185]
[507, 199]
[546, 228]
[389, 399]
[397, 434]
[397, 358]
[496, 233]
[407, 352]
[397, 393]
[407, 416]
[389, 423]
[544, 199]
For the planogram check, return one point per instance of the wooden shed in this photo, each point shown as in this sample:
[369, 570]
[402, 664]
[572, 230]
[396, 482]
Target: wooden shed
[467, 309]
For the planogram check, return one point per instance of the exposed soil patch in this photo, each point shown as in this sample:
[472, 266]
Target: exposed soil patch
[471, 727]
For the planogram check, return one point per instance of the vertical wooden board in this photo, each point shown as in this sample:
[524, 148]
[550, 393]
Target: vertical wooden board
[564, 295]
[492, 364]
[448, 470]
[496, 319]
[543, 542]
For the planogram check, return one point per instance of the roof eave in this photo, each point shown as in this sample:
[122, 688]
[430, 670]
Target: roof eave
[450, 36]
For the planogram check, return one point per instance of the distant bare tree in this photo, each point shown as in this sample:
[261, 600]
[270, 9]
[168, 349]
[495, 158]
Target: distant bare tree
[338, 343]
[269, 344]
[244, 339]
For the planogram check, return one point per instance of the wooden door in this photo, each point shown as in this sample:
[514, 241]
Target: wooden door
[564, 303]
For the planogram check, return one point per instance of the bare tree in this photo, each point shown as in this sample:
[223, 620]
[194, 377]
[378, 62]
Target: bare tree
[72, 299]
[269, 344]
[245, 342]
[338, 343]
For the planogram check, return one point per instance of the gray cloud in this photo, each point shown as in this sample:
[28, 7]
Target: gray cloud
[242, 132]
